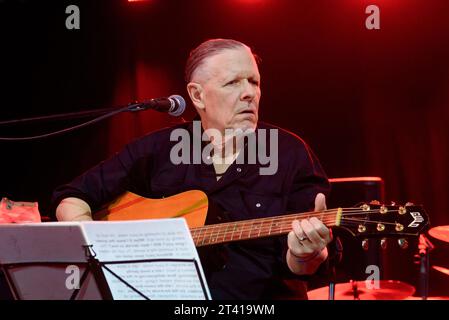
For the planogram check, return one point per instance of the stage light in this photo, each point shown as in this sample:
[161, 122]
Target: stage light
[250, 1]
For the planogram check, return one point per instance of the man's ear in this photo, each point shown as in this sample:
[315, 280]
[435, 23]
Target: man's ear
[195, 91]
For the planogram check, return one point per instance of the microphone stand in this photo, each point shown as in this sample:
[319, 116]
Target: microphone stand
[424, 246]
[130, 107]
[332, 267]
[173, 105]
[332, 279]
[74, 115]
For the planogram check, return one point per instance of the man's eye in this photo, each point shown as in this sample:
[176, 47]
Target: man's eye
[255, 82]
[232, 82]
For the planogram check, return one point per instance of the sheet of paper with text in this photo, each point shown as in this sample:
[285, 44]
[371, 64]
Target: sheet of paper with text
[156, 240]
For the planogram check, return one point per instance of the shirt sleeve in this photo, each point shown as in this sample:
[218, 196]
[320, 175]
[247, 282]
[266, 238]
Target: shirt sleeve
[309, 179]
[107, 180]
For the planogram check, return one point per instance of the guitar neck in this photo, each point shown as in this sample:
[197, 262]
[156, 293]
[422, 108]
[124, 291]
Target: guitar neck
[367, 220]
[256, 228]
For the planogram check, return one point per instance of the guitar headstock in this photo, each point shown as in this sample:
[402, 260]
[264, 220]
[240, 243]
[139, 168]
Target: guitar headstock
[378, 220]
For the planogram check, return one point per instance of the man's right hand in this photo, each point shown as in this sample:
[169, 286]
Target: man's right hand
[73, 209]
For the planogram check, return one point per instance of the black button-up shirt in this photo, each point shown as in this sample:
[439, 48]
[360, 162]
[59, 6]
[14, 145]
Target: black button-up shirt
[252, 269]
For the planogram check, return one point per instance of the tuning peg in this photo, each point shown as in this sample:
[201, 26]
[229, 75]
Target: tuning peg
[365, 244]
[408, 204]
[383, 243]
[365, 207]
[403, 243]
[392, 203]
[375, 202]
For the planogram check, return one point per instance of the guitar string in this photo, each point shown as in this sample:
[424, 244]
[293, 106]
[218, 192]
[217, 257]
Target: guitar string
[368, 221]
[264, 229]
[288, 218]
[245, 229]
[272, 229]
[210, 231]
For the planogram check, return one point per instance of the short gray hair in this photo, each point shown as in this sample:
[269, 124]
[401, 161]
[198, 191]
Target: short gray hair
[207, 49]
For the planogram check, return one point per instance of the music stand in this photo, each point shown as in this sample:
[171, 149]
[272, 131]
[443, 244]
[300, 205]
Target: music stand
[26, 287]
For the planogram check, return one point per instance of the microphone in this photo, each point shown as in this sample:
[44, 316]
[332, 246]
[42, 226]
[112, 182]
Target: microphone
[173, 105]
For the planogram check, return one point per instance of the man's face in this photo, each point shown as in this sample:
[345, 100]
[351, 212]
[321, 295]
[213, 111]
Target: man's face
[230, 90]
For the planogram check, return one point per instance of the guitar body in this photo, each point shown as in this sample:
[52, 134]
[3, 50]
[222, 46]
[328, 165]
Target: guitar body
[191, 205]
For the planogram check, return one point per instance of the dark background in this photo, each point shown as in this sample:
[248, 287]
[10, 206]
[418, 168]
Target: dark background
[369, 102]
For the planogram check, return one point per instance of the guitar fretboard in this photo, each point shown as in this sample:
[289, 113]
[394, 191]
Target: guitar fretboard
[255, 228]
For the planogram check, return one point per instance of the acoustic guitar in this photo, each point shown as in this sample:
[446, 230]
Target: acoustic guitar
[366, 220]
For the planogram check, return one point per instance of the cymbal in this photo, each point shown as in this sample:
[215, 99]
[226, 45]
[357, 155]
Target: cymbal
[440, 233]
[428, 298]
[388, 290]
[441, 269]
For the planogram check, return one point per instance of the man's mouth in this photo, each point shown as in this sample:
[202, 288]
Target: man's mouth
[247, 111]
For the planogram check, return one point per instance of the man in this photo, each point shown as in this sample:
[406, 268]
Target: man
[223, 82]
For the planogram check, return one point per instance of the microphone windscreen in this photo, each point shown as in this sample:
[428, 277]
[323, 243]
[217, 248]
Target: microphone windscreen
[180, 105]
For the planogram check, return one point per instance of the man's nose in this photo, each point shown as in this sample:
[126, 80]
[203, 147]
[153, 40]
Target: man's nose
[249, 91]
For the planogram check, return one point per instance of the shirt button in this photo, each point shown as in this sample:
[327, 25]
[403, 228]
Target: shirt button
[208, 157]
[239, 169]
[258, 205]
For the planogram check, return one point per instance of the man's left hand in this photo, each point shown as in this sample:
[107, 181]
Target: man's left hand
[307, 241]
